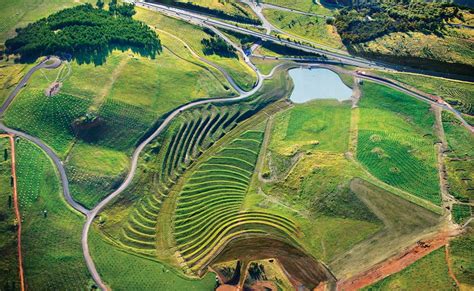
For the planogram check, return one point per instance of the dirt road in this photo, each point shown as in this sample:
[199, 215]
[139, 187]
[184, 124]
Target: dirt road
[17, 210]
[397, 263]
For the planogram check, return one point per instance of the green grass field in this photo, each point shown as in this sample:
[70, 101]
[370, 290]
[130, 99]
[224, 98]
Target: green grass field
[310, 28]
[142, 273]
[441, 51]
[51, 245]
[8, 229]
[127, 103]
[459, 164]
[457, 93]
[395, 141]
[301, 5]
[317, 125]
[242, 74]
[428, 273]
[461, 250]
[461, 213]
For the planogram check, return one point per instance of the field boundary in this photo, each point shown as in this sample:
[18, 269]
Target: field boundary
[17, 209]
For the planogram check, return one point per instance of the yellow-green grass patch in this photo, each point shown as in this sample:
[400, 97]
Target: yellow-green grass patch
[244, 76]
[310, 28]
[302, 5]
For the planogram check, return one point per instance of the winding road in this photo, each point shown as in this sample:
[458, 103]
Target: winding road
[91, 214]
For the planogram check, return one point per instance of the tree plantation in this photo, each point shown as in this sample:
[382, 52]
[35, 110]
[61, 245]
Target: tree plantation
[84, 32]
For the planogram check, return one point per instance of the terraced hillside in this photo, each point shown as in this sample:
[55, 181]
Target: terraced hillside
[168, 158]
[208, 212]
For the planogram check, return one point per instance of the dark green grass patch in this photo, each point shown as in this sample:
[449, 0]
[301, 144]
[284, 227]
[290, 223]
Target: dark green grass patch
[461, 212]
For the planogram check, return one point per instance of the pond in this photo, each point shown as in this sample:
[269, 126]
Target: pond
[317, 83]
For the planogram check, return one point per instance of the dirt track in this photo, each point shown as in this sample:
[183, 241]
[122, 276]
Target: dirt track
[397, 263]
[17, 211]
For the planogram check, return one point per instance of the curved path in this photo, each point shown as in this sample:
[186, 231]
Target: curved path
[42, 65]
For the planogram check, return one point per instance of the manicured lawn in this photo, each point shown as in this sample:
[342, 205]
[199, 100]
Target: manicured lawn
[141, 273]
[310, 28]
[395, 141]
[428, 273]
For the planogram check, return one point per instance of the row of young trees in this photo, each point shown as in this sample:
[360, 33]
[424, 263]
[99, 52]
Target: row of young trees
[373, 20]
[84, 29]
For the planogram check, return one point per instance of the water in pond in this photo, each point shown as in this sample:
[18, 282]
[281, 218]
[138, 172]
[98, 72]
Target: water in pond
[317, 84]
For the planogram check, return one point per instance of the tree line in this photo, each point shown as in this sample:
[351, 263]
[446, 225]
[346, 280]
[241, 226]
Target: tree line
[85, 31]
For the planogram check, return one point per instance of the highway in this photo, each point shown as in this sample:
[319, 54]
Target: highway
[203, 20]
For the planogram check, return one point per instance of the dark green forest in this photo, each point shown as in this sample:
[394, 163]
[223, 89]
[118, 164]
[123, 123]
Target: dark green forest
[86, 33]
[217, 46]
[373, 20]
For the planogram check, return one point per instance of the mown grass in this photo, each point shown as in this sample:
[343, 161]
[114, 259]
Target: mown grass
[302, 5]
[459, 164]
[265, 65]
[242, 73]
[8, 230]
[428, 273]
[458, 93]
[141, 273]
[19, 13]
[461, 250]
[310, 28]
[51, 244]
[94, 172]
[316, 125]
[395, 141]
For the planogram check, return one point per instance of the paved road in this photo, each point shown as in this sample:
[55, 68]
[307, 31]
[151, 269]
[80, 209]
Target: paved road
[57, 162]
[203, 20]
[42, 65]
